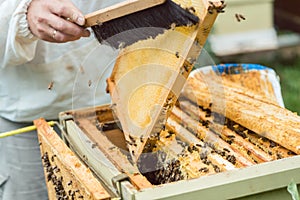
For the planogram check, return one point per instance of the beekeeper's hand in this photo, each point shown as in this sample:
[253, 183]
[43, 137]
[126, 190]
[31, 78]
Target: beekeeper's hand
[56, 20]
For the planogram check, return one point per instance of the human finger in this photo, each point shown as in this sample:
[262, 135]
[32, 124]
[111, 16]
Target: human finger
[64, 26]
[60, 37]
[69, 11]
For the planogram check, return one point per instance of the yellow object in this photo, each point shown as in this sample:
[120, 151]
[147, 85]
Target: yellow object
[23, 130]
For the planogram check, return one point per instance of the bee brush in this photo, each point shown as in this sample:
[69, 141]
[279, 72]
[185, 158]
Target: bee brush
[130, 21]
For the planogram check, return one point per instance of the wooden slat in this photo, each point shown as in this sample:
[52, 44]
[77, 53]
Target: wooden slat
[237, 142]
[118, 158]
[66, 176]
[186, 136]
[208, 136]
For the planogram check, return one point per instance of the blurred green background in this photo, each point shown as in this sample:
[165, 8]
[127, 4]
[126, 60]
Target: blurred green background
[289, 73]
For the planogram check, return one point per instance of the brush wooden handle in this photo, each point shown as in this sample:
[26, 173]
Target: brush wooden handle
[119, 10]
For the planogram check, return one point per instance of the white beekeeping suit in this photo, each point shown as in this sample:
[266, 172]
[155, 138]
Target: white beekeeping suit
[28, 65]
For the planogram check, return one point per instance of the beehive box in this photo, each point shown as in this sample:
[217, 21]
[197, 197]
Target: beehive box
[199, 160]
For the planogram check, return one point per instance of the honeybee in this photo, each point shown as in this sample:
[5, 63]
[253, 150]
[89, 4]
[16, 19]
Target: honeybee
[50, 86]
[239, 17]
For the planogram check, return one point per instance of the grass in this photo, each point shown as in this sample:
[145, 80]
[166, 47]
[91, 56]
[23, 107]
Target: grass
[289, 74]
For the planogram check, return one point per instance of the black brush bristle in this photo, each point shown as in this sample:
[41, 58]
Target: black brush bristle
[141, 25]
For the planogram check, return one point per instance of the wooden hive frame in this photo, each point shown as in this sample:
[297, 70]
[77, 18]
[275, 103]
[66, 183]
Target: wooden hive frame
[66, 176]
[149, 75]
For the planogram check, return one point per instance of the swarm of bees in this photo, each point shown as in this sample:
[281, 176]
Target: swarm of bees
[53, 175]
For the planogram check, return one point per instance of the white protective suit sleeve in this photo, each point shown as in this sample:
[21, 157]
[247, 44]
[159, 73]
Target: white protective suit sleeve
[17, 42]
[28, 65]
